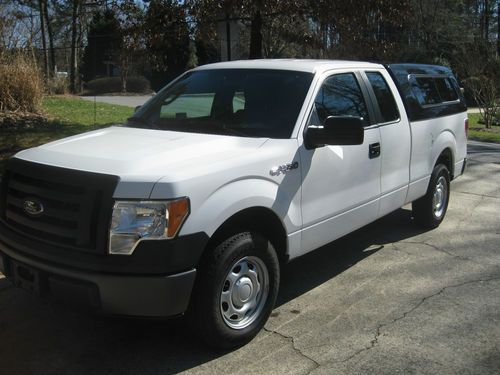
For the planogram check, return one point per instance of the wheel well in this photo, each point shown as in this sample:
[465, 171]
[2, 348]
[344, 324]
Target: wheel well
[446, 158]
[258, 219]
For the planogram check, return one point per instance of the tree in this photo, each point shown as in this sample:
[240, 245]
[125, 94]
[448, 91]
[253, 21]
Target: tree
[50, 35]
[104, 43]
[256, 14]
[41, 6]
[483, 83]
[167, 40]
[498, 28]
[74, 34]
[130, 17]
[485, 93]
[371, 30]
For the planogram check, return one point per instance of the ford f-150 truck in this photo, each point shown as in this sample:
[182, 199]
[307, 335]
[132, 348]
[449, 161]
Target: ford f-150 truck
[230, 171]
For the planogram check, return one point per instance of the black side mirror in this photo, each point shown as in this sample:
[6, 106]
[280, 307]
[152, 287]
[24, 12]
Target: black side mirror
[337, 131]
[137, 108]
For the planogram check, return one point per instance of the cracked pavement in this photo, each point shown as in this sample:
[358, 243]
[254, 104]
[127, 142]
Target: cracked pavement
[389, 298]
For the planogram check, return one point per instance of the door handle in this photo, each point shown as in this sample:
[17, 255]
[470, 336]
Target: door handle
[374, 150]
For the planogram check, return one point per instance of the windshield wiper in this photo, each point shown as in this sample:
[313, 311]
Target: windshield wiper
[234, 131]
[139, 121]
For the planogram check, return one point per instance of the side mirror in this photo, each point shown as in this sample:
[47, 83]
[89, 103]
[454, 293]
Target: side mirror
[137, 108]
[337, 131]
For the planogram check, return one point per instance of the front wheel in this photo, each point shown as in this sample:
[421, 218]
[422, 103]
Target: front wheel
[429, 211]
[236, 290]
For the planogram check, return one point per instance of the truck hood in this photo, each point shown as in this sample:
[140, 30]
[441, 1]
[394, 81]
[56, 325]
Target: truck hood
[141, 154]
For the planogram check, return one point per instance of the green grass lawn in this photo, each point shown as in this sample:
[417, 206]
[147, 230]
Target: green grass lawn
[67, 116]
[80, 112]
[478, 132]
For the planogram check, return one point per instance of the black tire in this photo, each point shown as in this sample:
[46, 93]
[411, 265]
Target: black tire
[426, 212]
[207, 302]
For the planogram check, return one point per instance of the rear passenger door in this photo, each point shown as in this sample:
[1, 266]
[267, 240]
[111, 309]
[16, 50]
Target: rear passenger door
[395, 139]
[340, 184]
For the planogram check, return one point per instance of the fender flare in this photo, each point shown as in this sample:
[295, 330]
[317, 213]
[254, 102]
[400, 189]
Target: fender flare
[242, 194]
[445, 140]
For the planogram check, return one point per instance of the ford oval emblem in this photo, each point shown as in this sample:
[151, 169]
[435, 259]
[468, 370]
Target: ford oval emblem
[32, 207]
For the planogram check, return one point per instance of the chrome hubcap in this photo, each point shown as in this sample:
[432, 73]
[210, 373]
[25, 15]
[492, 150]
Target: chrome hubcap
[440, 197]
[244, 292]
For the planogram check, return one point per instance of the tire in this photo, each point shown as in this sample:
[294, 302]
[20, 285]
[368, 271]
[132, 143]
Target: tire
[430, 210]
[241, 273]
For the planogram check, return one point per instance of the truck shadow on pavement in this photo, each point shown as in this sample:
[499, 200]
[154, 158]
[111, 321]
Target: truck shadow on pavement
[315, 268]
[42, 338]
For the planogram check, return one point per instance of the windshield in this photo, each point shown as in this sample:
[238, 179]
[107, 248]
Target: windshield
[243, 102]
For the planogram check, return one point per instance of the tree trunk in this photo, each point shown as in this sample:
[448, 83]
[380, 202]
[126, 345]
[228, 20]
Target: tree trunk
[498, 27]
[124, 66]
[51, 38]
[256, 35]
[72, 69]
[486, 19]
[41, 6]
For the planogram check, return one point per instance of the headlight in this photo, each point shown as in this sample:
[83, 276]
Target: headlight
[134, 221]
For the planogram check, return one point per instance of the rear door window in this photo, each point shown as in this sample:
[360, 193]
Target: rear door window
[385, 99]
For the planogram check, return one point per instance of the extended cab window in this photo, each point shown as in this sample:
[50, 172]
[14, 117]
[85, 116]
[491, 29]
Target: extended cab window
[340, 95]
[387, 104]
[446, 89]
[433, 90]
[426, 91]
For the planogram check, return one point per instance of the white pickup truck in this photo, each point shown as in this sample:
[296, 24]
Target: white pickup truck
[230, 171]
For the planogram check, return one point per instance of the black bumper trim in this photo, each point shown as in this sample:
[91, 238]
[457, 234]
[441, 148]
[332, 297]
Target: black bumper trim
[142, 296]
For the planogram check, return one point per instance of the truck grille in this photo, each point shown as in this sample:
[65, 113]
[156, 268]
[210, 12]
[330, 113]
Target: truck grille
[59, 206]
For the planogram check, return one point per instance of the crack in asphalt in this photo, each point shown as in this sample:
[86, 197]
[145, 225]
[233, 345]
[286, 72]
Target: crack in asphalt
[397, 248]
[437, 248]
[291, 339]
[476, 194]
[378, 331]
[475, 161]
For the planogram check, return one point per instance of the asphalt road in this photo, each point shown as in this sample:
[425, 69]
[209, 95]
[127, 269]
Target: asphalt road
[128, 101]
[386, 299]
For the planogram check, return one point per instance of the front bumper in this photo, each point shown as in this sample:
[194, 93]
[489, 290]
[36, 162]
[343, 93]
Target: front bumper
[146, 296]
[157, 291]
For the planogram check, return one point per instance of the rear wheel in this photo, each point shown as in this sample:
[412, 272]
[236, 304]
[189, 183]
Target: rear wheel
[429, 211]
[235, 291]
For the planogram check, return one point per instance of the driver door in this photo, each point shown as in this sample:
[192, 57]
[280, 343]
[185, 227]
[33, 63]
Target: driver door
[340, 184]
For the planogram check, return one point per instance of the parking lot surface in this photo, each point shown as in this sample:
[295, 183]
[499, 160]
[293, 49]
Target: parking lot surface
[389, 298]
